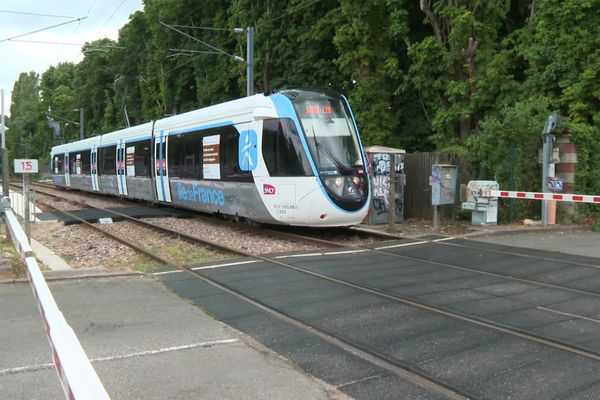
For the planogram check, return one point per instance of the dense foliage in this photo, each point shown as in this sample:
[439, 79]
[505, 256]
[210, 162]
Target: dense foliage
[475, 77]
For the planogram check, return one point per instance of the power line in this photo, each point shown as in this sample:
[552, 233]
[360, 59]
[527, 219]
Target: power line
[237, 58]
[292, 11]
[206, 28]
[92, 6]
[35, 14]
[44, 42]
[111, 15]
[67, 44]
[43, 29]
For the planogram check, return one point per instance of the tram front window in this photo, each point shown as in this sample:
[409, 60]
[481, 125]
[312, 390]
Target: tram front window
[330, 134]
[334, 145]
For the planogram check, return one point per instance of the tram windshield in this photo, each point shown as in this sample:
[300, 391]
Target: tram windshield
[329, 130]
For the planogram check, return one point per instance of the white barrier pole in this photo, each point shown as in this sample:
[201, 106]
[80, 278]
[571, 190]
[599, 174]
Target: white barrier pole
[568, 197]
[78, 378]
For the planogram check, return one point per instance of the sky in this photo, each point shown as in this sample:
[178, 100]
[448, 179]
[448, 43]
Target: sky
[104, 19]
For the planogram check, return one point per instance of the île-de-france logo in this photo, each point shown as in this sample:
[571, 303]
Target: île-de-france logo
[247, 154]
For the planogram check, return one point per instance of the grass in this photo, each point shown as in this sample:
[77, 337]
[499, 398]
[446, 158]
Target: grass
[180, 253]
[13, 258]
[145, 265]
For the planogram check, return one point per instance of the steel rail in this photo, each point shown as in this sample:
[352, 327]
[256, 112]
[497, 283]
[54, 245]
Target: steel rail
[478, 321]
[475, 270]
[402, 370]
[474, 320]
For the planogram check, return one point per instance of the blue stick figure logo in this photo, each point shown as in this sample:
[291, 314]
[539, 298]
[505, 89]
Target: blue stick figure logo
[247, 151]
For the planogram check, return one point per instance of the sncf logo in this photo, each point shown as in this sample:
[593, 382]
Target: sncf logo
[269, 190]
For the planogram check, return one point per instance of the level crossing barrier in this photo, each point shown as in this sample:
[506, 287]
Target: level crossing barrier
[576, 198]
[77, 376]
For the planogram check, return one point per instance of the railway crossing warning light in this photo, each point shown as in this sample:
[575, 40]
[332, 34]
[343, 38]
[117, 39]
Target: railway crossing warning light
[484, 209]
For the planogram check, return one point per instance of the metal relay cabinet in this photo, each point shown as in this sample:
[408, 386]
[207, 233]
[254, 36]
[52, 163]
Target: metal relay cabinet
[484, 209]
[443, 184]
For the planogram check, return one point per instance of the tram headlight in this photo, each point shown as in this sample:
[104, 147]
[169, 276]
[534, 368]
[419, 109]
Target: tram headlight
[335, 185]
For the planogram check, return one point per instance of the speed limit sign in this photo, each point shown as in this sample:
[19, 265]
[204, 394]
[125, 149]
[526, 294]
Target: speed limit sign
[26, 166]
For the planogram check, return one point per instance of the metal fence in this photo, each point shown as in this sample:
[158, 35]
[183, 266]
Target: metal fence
[75, 371]
[417, 192]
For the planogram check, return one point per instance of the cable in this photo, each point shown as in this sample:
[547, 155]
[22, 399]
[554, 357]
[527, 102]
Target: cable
[35, 14]
[292, 11]
[68, 44]
[207, 28]
[44, 42]
[92, 6]
[43, 29]
[111, 15]
[237, 58]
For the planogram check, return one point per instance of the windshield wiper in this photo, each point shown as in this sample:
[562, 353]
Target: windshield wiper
[344, 170]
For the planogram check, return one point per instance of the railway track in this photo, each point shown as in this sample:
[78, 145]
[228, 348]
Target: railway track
[402, 370]
[399, 369]
[326, 243]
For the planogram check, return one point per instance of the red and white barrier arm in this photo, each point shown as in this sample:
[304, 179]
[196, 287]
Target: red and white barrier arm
[77, 376]
[577, 198]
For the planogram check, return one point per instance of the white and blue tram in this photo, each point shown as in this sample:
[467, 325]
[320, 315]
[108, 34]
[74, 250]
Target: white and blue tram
[293, 157]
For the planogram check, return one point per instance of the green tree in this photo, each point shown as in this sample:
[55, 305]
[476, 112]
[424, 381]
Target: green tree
[59, 102]
[94, 84]
[367, 37]
[564, 60]
[25, 114]
[132, 93]
[464, 66]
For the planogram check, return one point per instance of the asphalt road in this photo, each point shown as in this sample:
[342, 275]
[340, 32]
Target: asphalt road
[584, 243]
[147, 343]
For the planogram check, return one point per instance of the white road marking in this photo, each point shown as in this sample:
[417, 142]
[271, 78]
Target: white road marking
[443, 239]
[224, 265]
[175, 271]
[393, 246]
[333, 253]
[31, 368]
[568, 314]
[299, 255]
[166, 350]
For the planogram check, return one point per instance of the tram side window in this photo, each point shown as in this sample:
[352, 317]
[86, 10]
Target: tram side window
[229, 145]
[282, 149]
[185, 156]
[142, 159]
[59, 164]
[192, 156]
[73, 163]
[175, 155]
[107, 160]
[85, 163]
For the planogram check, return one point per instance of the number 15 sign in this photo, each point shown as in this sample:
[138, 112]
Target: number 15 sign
[25, 166]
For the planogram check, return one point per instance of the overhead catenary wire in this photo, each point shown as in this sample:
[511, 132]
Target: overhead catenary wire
[42, 29]
[208, 28]
[110, 17]
[237, 58]
[36, 14]
[292, 11]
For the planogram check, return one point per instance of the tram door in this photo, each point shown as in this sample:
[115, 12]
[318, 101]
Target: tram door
[94, 167]
[121, 181]
[160, 168]
[67, 170]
